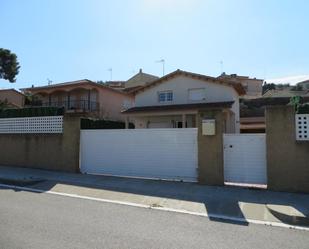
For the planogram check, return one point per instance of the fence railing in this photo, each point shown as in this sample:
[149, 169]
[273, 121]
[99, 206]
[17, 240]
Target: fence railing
[46, 124]
[83, 105]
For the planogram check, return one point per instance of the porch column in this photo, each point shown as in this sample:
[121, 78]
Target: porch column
[68, 104]
[183, 120]
[89, 103]
[49, 100]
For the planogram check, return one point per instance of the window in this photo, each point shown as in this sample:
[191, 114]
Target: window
[197, 94]
[165, 96]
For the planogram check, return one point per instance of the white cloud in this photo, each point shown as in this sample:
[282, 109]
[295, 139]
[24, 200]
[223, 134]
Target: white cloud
[292, 80]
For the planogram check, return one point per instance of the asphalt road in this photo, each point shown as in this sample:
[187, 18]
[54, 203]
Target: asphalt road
[33, 220]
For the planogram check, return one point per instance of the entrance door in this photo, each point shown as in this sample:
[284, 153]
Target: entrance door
[245, 158]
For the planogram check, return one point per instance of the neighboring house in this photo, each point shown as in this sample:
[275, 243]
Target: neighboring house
[253, 86]
[83, 96]
[139, 79]
[174, 100]
[285, 93]
[119, 85]
[12, 98]
[252, 116]
[252, 111]
[304, 84]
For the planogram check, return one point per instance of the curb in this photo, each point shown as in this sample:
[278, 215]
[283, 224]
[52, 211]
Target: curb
[181, 211]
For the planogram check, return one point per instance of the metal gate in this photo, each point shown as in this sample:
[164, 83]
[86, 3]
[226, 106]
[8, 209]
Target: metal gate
[245, 158]
[147, 153]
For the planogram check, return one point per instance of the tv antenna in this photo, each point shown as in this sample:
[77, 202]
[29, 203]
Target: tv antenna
[162, 61]
[111, 73]
[221, 66]
[49, 81]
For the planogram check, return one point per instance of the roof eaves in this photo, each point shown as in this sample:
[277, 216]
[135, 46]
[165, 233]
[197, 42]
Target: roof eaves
[77, 82]
[212, 105]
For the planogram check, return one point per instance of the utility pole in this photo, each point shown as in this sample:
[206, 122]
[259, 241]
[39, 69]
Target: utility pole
[163, 65]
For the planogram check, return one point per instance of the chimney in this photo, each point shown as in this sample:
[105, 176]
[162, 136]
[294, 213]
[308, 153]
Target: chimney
[140, 70]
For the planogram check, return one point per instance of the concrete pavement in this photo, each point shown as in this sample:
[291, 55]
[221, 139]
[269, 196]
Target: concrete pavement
[234, 204]
[39, 221]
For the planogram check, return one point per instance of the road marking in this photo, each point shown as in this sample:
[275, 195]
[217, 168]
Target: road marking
[181, 211]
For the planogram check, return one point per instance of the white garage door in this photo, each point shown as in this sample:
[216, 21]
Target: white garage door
[245, 158]
[148, 153]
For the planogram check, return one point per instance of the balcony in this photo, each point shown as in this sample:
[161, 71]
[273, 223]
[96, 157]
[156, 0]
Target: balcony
[80, 106]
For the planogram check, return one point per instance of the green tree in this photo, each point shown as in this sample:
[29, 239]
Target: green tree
[9, 66]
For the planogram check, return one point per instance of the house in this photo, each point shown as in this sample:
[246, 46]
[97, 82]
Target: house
[174, 100]
[285, 93]
[304, 84]
[12, 98]
[83, 96]
[252, 110]
[119, 85]
[136, 81]
[139, 79]
[253, 86]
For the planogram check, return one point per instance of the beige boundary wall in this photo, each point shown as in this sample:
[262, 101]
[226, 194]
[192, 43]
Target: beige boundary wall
[287, 159]
[44, 151]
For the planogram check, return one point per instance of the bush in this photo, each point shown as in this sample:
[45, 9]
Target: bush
[89, 124]
[31, 112]
[303, 109]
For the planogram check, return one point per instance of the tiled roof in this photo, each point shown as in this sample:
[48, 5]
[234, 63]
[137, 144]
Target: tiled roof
[237, 86]
[72, 83]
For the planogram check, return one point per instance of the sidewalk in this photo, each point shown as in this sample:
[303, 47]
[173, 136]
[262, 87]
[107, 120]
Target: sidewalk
[224, 204]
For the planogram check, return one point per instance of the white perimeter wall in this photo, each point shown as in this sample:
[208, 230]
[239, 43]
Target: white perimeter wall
[150, 153]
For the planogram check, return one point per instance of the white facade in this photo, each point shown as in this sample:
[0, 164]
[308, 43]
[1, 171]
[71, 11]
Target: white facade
[187, 90]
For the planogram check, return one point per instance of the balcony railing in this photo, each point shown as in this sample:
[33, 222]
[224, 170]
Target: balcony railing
[77, 105]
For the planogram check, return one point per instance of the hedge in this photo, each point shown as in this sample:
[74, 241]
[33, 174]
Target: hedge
[303, 109]
[31, 112]
[89, 124]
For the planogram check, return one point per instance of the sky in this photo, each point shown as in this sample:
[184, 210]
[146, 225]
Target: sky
[65, 40]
